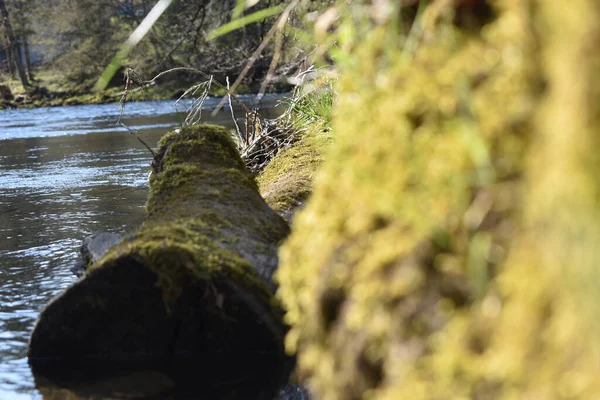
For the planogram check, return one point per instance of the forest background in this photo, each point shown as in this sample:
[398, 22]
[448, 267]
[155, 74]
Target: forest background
[65, 44]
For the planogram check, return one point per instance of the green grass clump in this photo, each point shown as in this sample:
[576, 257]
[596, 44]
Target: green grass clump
[311, 105]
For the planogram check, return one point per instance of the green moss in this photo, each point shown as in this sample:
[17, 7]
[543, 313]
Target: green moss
[73, 101]
[181, 255]
[287, 181]
[184, 144]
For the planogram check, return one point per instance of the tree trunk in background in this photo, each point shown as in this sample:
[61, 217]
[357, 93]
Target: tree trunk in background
[28, 67]
[9, 59]
[24, 32]
[13, 44]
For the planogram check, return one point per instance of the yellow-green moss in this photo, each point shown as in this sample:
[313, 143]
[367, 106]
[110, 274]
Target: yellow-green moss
[182, 253]
[424, 266]
[286, 182]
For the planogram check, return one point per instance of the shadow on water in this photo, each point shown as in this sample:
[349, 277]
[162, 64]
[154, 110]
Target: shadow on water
[157, 383]
[65, 173]
[186, 381]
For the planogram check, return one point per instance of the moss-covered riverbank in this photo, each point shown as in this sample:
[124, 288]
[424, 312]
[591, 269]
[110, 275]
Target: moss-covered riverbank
[41, 97]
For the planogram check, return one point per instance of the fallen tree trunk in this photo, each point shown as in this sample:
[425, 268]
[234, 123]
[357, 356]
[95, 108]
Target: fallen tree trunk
[191, 290]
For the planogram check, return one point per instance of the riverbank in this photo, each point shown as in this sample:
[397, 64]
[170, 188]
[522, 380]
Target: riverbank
[48, 93]
[41, 97]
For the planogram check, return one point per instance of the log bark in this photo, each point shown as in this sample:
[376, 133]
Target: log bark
[93, 248]
[191, 290]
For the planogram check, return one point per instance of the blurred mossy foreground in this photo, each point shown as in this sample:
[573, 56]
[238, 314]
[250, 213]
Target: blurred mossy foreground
[449, 250]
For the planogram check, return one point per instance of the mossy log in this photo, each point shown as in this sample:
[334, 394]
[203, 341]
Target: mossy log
[192, 285]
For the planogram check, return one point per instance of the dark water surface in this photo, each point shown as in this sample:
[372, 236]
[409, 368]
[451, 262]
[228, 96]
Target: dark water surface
[67, 172]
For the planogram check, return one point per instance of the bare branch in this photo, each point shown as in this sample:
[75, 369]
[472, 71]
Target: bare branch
[281, 22]
[139, 138]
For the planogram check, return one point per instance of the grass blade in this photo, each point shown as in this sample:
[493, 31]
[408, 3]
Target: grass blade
[243, 21]
[137, 35]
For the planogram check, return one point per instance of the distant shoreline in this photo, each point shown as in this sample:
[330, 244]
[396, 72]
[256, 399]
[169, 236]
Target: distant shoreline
[41, 97]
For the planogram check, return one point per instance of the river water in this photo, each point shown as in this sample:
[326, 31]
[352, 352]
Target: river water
[67, 172]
